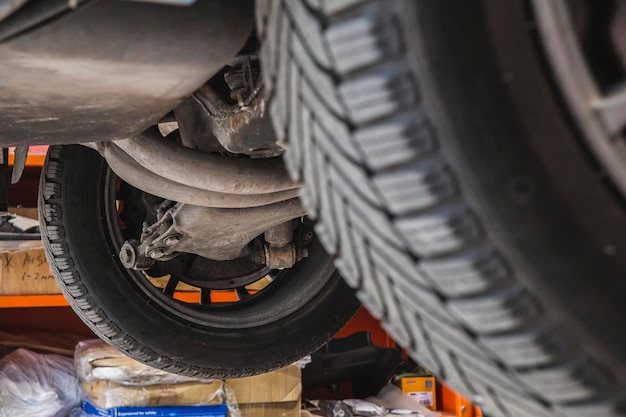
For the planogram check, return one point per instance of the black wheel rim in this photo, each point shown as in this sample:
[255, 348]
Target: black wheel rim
[274, 302]
[585, 44]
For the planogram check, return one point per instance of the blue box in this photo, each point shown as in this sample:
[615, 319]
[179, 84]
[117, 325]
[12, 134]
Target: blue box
[158, 411]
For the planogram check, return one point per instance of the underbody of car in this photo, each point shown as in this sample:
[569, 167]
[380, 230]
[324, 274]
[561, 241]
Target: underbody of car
[461, 164]
[211, 157]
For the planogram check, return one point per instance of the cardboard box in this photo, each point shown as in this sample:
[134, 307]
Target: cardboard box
[422, 388]
[107, 394]
[24, 269]
[28, 212]
[96, 360]
[274, 394]
[111, 379]
[288, 409]
[41, 341]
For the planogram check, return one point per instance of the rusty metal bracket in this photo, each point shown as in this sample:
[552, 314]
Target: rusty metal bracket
[21, 153]
[217, 234]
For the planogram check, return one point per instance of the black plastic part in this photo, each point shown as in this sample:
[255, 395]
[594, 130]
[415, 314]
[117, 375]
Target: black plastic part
[109, 69]
[353, 359]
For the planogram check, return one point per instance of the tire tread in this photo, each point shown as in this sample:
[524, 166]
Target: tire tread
[390, 208]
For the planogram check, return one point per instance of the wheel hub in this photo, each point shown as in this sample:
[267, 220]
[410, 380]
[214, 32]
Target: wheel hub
[591, 74]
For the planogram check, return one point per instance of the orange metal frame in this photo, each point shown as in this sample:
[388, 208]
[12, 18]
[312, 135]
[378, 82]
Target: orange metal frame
[57, 300]
[36, 155]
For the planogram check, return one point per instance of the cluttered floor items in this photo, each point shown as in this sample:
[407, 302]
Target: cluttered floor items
[101, 381]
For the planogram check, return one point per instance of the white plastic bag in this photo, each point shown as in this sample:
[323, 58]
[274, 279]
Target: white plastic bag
[36, 385]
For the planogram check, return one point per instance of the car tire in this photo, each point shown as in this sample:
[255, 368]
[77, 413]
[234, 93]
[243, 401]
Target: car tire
[290, 318]
[448, 177]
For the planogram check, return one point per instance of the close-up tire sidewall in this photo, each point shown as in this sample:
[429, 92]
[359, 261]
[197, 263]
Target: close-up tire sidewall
[453, 187]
